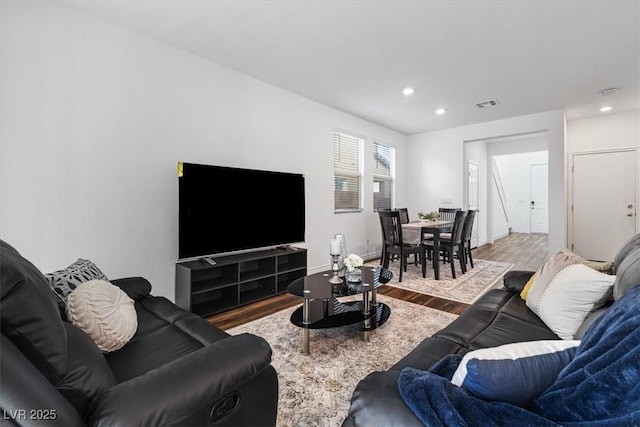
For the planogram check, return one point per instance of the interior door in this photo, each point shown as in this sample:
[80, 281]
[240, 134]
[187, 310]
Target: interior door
[472, 195]
[603, 202]
[539, 183]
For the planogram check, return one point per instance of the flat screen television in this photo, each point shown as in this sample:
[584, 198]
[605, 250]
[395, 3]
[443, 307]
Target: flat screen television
[224, 209]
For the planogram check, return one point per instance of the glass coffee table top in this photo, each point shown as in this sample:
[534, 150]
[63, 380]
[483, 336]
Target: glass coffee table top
[317, 286]
[322, 309]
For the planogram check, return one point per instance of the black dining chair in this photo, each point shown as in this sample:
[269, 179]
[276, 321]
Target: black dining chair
[467, 229]
[383, 210]
[448, 214]
[452, 246]
[404, 215]
[404, 218]
[393, 243]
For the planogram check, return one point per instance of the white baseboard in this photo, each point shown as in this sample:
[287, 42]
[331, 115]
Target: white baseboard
[499, 236]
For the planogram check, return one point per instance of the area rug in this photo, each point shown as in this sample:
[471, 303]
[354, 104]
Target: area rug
[315, 390]
[466, 288]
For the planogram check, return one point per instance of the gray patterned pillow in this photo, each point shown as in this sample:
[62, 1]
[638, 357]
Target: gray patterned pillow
[64, 281]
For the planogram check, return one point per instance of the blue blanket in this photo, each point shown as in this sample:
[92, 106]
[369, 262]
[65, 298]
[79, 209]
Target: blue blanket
[599, 387]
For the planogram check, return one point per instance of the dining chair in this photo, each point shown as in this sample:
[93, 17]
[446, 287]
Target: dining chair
[404, 215]
[448, 214]
[466, 236]
[393, 243]
[452, 246]
[383, 210]
[404, 218]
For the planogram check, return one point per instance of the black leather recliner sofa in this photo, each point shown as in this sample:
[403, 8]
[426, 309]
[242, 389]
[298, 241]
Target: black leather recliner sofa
[178, 369]
[498, 317]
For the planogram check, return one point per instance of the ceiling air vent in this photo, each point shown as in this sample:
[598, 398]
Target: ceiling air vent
[488, 103]
[609, 91]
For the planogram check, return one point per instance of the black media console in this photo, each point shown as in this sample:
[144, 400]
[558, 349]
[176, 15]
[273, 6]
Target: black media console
[236, 280]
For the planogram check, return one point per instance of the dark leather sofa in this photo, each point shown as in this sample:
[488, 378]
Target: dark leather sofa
[499, 317]
[178, 369]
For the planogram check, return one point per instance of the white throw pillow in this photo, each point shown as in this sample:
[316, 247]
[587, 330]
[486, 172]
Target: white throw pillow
[104, 312]
[564, 300]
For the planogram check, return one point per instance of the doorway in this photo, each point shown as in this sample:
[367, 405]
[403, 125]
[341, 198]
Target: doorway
[524, 194]
[472, 196]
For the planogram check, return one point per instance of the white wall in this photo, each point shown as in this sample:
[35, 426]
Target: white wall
[436, 165]
[95, 119]
[604, 132]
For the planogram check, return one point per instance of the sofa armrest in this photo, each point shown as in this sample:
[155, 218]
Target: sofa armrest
[515, 280]
[186, 390]
[135, 287]
[377, 402]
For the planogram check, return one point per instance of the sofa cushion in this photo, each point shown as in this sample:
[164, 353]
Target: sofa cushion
[64, 281]
[565, 292]
[135, 287]
[589, 321]
[428, 353]
[632, 243]
[498, 317]
[104, 312]
[627, 274]
[476, 318]
[165, 333]
[514, 373]
[88, 373]
[515, 280]
[38, 332]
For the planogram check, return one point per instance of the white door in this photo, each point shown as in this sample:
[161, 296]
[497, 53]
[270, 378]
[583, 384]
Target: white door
[603, 202]
[472, 195]
[539, 183]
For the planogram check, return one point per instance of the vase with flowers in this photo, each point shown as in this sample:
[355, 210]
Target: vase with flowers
[430, 216]
[354, 266]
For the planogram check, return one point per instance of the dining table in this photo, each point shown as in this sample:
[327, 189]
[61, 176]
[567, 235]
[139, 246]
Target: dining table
[414, 231]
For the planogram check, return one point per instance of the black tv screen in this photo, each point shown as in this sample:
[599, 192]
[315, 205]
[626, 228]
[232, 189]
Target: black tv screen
[223, 209]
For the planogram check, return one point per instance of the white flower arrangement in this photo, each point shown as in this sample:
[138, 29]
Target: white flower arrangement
[353, 261]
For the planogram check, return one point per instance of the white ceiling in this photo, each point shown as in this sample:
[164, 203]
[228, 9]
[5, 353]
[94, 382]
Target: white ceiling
[356, 56]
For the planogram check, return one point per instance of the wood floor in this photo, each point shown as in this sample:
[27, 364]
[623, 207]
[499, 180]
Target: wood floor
[526, 251]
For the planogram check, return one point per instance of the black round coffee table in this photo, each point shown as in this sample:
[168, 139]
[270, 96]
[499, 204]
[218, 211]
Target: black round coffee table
[322, 309]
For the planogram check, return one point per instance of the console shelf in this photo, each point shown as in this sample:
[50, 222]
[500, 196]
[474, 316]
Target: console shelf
[237, 280]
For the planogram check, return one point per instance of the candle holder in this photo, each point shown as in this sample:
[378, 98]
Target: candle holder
[342, 255]
[335, 280]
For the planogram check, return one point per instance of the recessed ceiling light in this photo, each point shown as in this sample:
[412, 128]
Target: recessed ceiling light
[605, 109]
[440, 111]
[407, 91]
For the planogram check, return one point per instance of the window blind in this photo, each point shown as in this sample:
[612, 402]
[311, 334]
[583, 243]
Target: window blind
[347, 171]
[383, 167]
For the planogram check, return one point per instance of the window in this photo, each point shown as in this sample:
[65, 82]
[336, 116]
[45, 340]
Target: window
[347, 152]
[383, 172]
